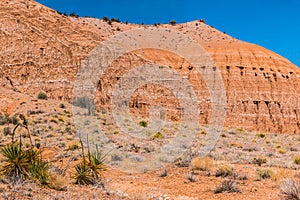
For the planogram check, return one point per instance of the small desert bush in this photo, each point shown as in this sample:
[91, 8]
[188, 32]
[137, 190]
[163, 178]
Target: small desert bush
[172, 22]
[224, 171]
[73, 146]
[261, 135]
[203, 164]
[104, 18]
[290, 189]
[42, 95]
[227, 186]
[163, 173]
[5, 119]
[265, 173]
[297, 160]
[259, 161]
[143, 123]
[191, 177]
[7, 131]
[158, 135]
[39, 171]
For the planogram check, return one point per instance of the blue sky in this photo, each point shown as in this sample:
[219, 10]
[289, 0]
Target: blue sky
[274, 24]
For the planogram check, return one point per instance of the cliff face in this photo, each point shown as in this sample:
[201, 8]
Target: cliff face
[42, 50]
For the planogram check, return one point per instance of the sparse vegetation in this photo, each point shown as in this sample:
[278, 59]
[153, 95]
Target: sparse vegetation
[290, 189]
[203, 164]
[73, 146]
[42, 96]
[172, 22]
[264, 173]
[259, 161]
[261, 135]
[224, 171]
[21, 163]
[104, 18]
[143, 123]
[227, 186]
[297, 160]
[7, 131]
[158, 135]
[164, 173]
[191, 177]
[73, 14]
[83, 174]
[5, 119]
[89, 171]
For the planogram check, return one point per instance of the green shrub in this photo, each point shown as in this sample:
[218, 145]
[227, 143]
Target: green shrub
[42, 95]
[83, 174]
[143, 123]
[39, 171]
[17, 161]
[158, 135]
[89, 171]
[96, 163]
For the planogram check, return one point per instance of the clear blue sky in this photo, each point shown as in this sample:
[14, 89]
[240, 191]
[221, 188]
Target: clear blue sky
[274, 24]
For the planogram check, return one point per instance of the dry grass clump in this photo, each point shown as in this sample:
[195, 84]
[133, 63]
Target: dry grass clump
[227, 186]
[265, 173]
[203, 164]
[281, 174]
[290, 189]
[224, 171]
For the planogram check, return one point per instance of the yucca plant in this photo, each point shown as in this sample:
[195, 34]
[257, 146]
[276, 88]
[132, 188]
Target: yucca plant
[96, 163]
[17, 161]
[89, 170]
[83, 174]
[39, 171]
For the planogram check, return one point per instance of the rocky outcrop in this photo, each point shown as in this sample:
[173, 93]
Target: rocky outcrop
[42, 50]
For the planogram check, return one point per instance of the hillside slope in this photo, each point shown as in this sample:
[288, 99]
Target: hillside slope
[42, 50]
